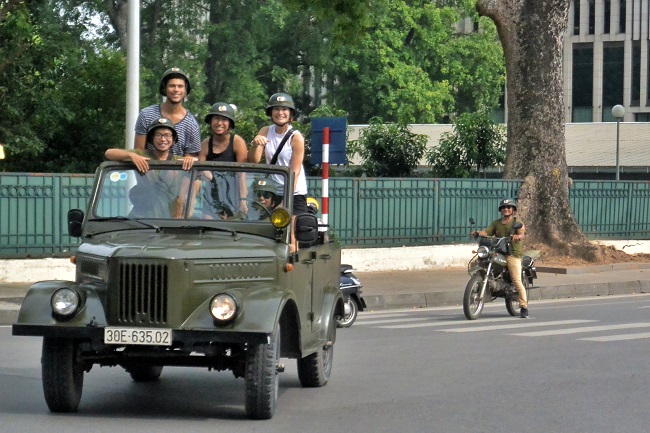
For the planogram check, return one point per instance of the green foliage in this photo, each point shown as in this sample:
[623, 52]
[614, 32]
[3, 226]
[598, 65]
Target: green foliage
[475, 144]
[389, 149]
[413, 67]
[62, 66]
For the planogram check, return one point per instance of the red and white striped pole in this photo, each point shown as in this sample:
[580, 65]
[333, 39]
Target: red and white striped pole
[326, 174]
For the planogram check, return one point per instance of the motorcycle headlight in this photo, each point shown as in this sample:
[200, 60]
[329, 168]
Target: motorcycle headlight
[482, 252]
[65, 302]
[223, 308]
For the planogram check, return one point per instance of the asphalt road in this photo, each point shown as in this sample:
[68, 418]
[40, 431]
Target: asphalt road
[574, 366]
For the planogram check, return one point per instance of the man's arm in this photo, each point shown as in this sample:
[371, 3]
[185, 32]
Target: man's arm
[141, 162]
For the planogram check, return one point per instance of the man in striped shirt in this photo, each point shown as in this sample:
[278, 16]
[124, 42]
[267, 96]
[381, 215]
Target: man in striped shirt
[174, 86]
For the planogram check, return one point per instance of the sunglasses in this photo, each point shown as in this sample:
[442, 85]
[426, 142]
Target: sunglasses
[266, 195]
[507, 207]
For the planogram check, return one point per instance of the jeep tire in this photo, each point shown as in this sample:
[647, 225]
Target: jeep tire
[314, 370]
[262, 380]
[63, 375]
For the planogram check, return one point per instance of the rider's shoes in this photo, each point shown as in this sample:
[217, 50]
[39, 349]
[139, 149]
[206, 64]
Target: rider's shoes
[524, 313]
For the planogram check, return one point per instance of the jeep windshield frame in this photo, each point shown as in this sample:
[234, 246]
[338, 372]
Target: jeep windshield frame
[216, 195]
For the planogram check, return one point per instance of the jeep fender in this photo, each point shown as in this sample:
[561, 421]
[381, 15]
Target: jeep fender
[36, 310]
[258, 311]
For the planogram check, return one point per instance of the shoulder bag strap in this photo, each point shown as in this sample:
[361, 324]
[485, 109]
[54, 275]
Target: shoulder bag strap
[286, 137]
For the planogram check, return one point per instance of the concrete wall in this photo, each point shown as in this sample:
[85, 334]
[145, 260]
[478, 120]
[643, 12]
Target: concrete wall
[587, 144]
[363, 260]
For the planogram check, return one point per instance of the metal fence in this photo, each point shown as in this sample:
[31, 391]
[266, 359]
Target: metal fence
[364, 212]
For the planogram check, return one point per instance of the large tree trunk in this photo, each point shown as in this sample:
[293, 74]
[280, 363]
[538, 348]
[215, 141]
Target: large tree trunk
[532, 35]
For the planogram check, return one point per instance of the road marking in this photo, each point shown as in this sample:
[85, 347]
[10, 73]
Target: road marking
[608, 338]
[398, 320]
[518, 323]
[583, 329]
[447, 323]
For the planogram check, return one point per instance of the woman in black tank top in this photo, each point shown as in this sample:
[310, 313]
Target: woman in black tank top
[228, 193]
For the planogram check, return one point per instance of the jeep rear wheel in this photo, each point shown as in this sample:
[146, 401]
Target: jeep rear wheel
[314, 370]
[262, 380]
[63, 375]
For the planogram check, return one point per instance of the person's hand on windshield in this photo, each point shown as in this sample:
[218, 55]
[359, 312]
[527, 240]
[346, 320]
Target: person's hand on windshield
[188, 161]
[140, 162]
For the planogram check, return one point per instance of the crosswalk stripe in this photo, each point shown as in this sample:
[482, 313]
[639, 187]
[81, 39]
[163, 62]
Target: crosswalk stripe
[446, 323]
[608, 338]
[582, 329]
[519, 323]
[379, 321]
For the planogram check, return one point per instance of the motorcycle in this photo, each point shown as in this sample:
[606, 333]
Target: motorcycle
[354, 302]
[490, 277]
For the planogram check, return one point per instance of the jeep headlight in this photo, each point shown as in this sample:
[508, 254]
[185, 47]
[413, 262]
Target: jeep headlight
[482, 252]
[223, 307]
[65, 302]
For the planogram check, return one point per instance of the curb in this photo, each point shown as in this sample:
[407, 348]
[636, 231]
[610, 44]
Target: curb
[443, 299]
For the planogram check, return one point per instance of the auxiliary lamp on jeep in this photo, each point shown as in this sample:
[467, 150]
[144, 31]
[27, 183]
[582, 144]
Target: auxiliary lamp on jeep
[280, 218]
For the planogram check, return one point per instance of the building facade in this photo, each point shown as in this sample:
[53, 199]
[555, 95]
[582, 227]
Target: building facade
[606, 60]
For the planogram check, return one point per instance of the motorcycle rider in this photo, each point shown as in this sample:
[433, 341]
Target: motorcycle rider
[502, 227]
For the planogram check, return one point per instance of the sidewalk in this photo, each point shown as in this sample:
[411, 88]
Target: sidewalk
[445, 287]
[442, 287]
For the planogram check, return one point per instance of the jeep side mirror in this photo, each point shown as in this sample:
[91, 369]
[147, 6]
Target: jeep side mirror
[306, 227]
[517, 225]
[75, 220]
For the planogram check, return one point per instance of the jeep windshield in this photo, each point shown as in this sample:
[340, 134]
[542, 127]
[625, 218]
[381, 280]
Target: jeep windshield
[209, 195]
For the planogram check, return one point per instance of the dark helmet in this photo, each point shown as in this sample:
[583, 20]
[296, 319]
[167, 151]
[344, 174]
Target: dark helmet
[264, 185]
[281, 100]
[163, 122]
[174, 73]
[507, 202]
[221, 109]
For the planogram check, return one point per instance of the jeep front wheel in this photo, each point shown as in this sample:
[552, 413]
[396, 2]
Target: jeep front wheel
[262, 379]
[63, 375]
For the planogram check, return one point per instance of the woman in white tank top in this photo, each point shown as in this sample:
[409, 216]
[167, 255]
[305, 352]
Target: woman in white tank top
[281, 110]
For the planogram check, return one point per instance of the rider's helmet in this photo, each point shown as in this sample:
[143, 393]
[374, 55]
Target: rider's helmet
[266, 187]
[312, 205]
[507, 202]
[281, 100]
[221, 109]
[174, 73]
[163, 122]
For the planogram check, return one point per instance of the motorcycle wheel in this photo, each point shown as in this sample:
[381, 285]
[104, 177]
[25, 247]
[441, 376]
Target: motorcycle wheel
[512, 305]
[472, 306]
[348, 319]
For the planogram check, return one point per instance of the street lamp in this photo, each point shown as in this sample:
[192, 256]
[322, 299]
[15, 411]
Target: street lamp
[618, 111]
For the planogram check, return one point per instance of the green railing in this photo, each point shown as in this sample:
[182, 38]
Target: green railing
[364, 212]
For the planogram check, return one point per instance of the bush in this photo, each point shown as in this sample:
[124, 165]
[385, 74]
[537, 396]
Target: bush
[389, 149]
[475, 144]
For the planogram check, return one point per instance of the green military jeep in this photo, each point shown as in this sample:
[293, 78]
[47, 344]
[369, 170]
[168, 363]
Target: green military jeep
[189, 268]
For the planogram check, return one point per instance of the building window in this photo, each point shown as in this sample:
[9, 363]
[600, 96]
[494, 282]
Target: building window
[607, 16]
[621, 16]
[613, 76]
[635, 97]
[642, 117]
[583, 83]
[592, 17]
[576, 17]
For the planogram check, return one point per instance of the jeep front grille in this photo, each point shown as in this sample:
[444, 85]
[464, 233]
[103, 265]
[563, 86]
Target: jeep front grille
[142, 294]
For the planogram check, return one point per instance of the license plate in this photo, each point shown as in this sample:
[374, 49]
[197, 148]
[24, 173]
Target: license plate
[138, 336]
